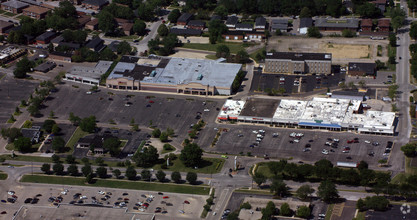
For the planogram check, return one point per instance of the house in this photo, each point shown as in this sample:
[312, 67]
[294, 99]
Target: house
[45, 67]
[215, 17]
[244, 35]
[185, 32]
[35, 12]
[83, 20]
[92, 25]
[15, 28]
[260, 24]
[46, 37]
[127, 28]
[60, 56]
[184, 19]
[231, 22]
[366, 25]
[383, 25]
[196, 24]
[361, 69]
[244, 27]
[336, 25]
[57, 40]
[70, 45]
[298, 63]
[14, 6]
[279, 24]
[95, 4]
[94, 142]
[33, 133]
[305, 23]
[113, 45]
[380, 4]
[95, 44]
[4, 26]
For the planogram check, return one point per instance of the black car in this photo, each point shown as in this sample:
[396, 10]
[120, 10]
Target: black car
[159, 193]
[28, 200]
[11, 200]
[34, 201]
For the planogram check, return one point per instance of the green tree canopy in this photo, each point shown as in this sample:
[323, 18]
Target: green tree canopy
[191, 177]
[160, 175]
[124, 48]
[101, 172]
[409, 149]
[191, 155]
[174, 15]
[268, 211]
[222, 51]
[139, 27]
[58, 168]
[146, 175]
[327, 191]
[88, 124]
[304, 192]
[131, 173]
[58, 144]
[176, 177]
[147, 158]
[23, 144]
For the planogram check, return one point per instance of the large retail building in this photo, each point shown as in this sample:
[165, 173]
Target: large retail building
[298, 63]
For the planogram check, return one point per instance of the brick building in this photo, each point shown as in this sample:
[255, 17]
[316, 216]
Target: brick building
[298, 63]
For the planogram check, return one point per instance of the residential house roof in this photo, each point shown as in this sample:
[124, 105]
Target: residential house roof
[15, 4]
[5, 24]
[84, 19]
[244, 26]
[260, 21]
[92, 22]
[366, 22]
[57, 40]
[70, 45]
[129, 59]
[15, 28]
[185, 17]
[337, 23]
[306, 22]
[281, 24]
[232, 20]
[31, 2]
[215, 17]
[98, 3]
[238, 33]
[45, 36]
[120, 21]
[379, 2]
[383, 23]
[62, 54]
[95, 140]
[197, 23]
[94, 43]
[188, 32]
[299, 56]
[113, 45]
[127, 26]
[36, 9]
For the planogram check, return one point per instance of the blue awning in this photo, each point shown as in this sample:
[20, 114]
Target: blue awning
[312, 124]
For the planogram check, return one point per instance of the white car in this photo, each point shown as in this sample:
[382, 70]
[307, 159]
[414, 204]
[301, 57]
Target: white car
[336, 140]
[275, 135]
[89, 93]
[206, 110]
[64, 193]
[11, 193]
[324, 151]
[368, 142]
[254, 131]
[293, 134]
[101, 192]
[83, 197]
[296, 141]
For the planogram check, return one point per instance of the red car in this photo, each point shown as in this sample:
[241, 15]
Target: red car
[151, 101]
[186, 202]
[165, 197]
[350, 141]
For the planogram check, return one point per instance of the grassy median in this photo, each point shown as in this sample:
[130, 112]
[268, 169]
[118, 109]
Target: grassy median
[119, 184]
[3, 176]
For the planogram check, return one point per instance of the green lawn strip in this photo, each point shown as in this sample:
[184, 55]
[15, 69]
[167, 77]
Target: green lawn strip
[166, 151]
[360, 216]
[3, 176]
[211, 57]
[8, 14]
[204, 213]
[399, 178]
[408, 168]
[21, 16]
[28, 158]
[254, 191]
[2, 11]
[120, 184]
[329, 212]
[234, 47]
[213, 165]
[78, 133]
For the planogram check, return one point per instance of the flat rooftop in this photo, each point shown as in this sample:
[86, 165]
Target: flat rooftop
[93, 72]
[231, 108]
[289, 110]
[260, 107]
[325, 110]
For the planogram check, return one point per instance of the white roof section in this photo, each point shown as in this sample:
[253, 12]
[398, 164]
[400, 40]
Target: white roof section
[231, 109]
[289, 110]
[92, 72]
[206, 72]
[325, 110]
[121, 67]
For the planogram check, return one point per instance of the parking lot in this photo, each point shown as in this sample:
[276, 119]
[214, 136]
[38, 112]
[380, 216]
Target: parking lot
[309, 147]
[163, 111]
[164, 205]
[12, 92]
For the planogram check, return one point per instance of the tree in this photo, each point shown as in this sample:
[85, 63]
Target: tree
[89, 178]
[88, 124]
[305, 13]
[163, 137]
[368, 10]
[348, 33]
[278, 187]
[221, 11]
[107, 54]
[58, 168]
[163, 30]
[409, 149]
[55, 158]
[222, 51]
[55, 129]
[106, 22]
[58, 144]
[146, 175]
[117, 173]
[216, 29]
[48, 124]
[313, 32]
[413, 30]
[304, 192]
[75, 120]
[11, 134]
[46, 168]
[139, 27]
[99, 161]
[285, 210]
[170, 132]
[160, 175]
[112, 144]
[303, 211]
[131, 173]
[191, 178]
[392, 40]
[85, 160]
[124, 48]
[147, 158]
[259, 178]
[176, 177]
[86, 169]
[191, 155]
[101, 172]
[360, 204]
[156, 133]
[378, 203]
[72, 170]
[242, 56]
[70, 159]
[23, 144]
[174, 15]
[327, 191]
[362, 165]
[268, 211]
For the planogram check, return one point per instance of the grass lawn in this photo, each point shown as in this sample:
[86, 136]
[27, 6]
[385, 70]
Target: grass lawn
[3, 176]
[399, 178]
[119, 184]
[167, 151]
[21, 16]
[2, 11]
[8, 14]
[211, 165]
[361, 216]
[329, 212]
[392, 51]
[409, 169]
[254, 191]
[28, 158]
[34, 148]
[263, 168]
[78, 133]
[234, 47]
[211, 57]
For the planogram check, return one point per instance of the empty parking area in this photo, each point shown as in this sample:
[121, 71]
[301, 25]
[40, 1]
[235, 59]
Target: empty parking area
[244, 139]
[171, 205]
[160, 110]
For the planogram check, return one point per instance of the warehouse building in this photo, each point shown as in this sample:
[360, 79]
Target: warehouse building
[298, 63]
[88, 75]
[318, 113]
[177, 75]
